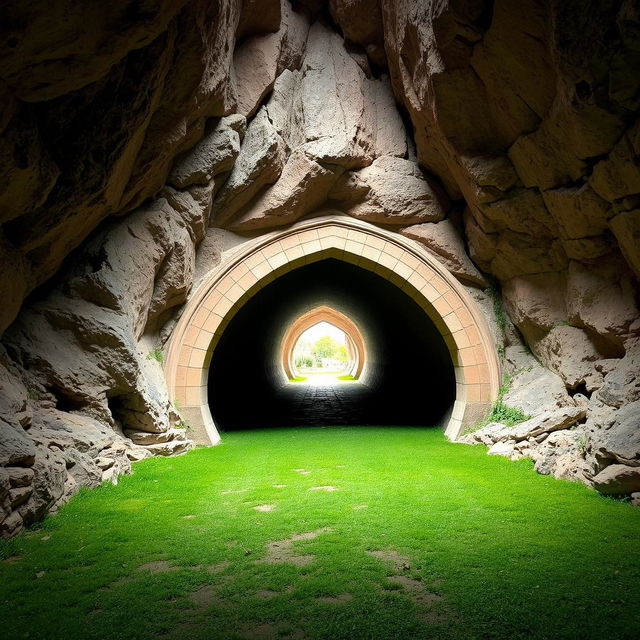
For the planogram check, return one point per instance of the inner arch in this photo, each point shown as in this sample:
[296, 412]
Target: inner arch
[247, 390]
[323, 313]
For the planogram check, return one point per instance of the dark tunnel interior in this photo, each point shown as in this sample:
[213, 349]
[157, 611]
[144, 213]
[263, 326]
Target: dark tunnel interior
[409, 377]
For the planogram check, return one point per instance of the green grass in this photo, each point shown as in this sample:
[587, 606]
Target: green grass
[348, 376]
[298, 379]
[156, 354]
[494, 549]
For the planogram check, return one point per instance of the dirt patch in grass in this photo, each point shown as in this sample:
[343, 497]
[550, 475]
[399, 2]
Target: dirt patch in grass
[342, 598]
[266, 594]
[281, 551]
[326, 487]
[218, 567]
[304, 472]
[280, 486]
[269, 631]
[398, 561]
[157, 566]
[205, 596]
[433, 608]
[264, 507]
[226, 492]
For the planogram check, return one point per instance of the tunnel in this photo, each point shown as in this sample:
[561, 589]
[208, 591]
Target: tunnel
[408, 379]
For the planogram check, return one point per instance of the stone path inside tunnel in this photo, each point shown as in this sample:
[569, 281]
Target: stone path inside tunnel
[334, 403]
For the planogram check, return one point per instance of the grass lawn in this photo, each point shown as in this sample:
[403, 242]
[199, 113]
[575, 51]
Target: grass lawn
[336, 533]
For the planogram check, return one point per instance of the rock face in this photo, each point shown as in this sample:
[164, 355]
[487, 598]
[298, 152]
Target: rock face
[502, 137]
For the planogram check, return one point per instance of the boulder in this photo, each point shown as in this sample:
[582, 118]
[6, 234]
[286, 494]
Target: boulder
[216, 153]
[444, 241]
[535, 389]
[617, 479]
[259, 164]
[391, 191]
[619, 440]
[542, 423]
[570, 353]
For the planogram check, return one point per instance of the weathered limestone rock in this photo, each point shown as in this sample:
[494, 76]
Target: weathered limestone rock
[626, 228]
[445, 242]
[536, 302]
[259, 60]
[533, 388]
[259, 164]
[569, 352]
[391, 191]
[621, 440]
[618, 479]
[361, 23]
[601, 297]
[216, 153]
[622, 383]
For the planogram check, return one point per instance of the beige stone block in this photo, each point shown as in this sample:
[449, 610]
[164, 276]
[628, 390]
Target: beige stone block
[238, 271]
[213, 322]
[312, 246]
[212, 298]
[194, 377]
[430, 292]
[199, 317]
[272, 249]
[441, 286]
[181, 376]
[278, 260]
[467, 357]
[190, 335]
[471, 373]
[375, 242]
[247, 281]
[290, 241]
[224, 306]
[455, 326]
[235, 292]
[474, 393]
[403, 270]
[352, 246]
[461, 339]
[453, 299]
[197, 358]
[441, 306]
[180, 397]
[185, 355]
[484, 374]
[193, 397]
[254, 260]
[203, 340]
[225, 284]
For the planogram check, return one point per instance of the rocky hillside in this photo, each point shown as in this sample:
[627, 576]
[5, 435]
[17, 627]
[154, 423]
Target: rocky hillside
[504, 137]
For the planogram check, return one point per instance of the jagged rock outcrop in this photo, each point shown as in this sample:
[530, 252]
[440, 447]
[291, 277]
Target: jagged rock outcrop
[192, 116]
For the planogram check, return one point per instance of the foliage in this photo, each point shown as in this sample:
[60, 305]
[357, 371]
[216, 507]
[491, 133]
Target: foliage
[174, 551]
[156, 354]
[500, 412]
[325, 347]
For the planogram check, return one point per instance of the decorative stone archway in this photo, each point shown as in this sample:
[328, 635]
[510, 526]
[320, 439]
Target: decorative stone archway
[401, 261]
[323, 313]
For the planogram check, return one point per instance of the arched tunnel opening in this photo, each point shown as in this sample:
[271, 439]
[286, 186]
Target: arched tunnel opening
[409, 376]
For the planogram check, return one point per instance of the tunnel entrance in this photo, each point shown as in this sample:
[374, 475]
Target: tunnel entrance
[247, 388]
[244, 273]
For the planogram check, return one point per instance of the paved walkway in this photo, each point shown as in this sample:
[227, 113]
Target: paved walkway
[312, 404]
